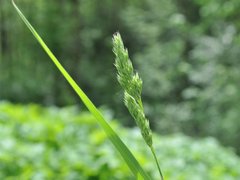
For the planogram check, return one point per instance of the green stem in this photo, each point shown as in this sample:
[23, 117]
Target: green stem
[155, 157]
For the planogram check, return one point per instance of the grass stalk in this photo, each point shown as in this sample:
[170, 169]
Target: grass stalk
[156, 160]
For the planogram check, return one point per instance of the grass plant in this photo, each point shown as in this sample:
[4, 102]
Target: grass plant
[132, 85]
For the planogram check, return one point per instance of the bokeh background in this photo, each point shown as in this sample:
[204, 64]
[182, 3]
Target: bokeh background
[186, 51]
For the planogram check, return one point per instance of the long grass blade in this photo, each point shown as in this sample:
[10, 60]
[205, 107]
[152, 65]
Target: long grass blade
[112, 135]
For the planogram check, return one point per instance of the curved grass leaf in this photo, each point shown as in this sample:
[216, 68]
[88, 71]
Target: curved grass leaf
[111, 134]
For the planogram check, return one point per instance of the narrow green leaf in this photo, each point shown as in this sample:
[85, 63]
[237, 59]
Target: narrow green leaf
[111, 134]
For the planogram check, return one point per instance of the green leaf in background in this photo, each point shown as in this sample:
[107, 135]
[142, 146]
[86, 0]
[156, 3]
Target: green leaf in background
[39, 142]
[114, 138]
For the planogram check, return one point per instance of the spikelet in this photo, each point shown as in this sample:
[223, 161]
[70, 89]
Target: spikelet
[139, 116]
[132, 85]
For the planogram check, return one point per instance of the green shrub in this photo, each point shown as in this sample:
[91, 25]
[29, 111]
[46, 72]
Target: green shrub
[53, 143]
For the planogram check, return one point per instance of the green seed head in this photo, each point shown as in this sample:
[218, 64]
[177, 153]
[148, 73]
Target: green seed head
[132, 85]
[138, 115]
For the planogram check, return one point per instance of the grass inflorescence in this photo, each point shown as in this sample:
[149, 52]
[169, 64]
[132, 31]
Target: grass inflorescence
[132, 86]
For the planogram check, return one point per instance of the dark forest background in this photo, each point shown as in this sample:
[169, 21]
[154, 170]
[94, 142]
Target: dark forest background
[186, 51]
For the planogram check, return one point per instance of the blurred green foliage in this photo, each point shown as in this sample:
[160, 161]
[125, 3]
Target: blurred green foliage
[190, 67]
[53, 143]
[187, 53]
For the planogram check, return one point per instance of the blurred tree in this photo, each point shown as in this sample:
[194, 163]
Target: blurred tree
[186, 52]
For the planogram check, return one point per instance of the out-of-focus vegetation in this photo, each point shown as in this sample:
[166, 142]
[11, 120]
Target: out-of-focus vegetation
[187, 53]
[52, 143]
